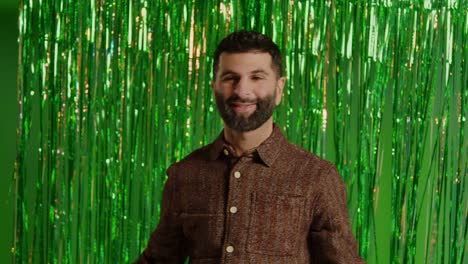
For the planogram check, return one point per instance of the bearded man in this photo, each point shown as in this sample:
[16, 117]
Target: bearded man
[251, 196]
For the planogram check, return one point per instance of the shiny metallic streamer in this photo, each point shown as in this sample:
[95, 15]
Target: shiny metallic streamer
[112, 92]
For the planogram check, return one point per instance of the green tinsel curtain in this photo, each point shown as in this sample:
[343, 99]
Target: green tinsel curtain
[112, 92]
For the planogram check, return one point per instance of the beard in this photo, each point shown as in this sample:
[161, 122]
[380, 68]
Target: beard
[263, 112]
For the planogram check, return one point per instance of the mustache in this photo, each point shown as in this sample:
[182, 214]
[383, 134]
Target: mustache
[237, 99]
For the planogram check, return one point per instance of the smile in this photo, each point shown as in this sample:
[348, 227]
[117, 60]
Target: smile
[243, 107]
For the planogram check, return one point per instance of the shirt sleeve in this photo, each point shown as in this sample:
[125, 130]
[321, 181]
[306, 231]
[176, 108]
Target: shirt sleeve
[330, 236]
[166, 244]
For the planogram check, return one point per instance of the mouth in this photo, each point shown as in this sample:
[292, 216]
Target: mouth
[243, 107]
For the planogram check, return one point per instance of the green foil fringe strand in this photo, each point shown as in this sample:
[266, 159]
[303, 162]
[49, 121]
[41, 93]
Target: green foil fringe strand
[112, 92]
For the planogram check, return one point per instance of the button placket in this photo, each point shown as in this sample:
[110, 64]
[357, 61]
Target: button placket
[232, 208]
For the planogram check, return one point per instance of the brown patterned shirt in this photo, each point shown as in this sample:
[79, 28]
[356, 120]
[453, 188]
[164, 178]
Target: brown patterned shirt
[276, 204]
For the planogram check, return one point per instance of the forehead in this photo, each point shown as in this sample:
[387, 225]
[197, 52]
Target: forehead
[245, 62]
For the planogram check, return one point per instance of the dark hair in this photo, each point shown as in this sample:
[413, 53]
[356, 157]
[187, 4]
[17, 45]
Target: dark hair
[246, 41]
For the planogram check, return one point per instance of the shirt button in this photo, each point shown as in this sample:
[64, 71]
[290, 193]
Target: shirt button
[226, 152]
[237, 174]
[233, 209]
[229, 249]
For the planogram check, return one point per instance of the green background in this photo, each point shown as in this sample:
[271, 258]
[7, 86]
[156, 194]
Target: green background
[9, 110]
[115, 91]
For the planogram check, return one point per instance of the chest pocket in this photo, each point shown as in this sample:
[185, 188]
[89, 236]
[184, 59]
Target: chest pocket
[275, 221]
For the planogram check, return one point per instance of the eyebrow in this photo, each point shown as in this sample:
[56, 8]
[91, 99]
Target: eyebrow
[259, 71]
[226, 72]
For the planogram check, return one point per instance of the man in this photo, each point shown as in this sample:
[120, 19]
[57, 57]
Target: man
[251, 196]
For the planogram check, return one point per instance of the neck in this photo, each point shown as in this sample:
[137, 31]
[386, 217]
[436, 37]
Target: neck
[244, 141]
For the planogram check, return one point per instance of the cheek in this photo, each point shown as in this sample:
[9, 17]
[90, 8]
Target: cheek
[224, 87]
[221, 92]
[265, 89]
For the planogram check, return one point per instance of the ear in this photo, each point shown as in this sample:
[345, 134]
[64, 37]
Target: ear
[279, 89]
[213, 85]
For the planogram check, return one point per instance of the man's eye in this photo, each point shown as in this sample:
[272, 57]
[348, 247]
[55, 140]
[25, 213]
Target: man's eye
[257, 78]
[229, 78]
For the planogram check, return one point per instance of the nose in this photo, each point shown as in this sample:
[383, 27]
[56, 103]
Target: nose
[242, 88]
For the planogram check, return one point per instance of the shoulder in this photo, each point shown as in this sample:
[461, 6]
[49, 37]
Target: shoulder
[322, 173]
[306, 158]
[192, 161]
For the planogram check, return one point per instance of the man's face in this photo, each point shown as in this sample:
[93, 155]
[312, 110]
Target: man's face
[246, 89]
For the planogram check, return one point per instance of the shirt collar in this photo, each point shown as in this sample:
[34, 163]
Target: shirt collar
[267, 151]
